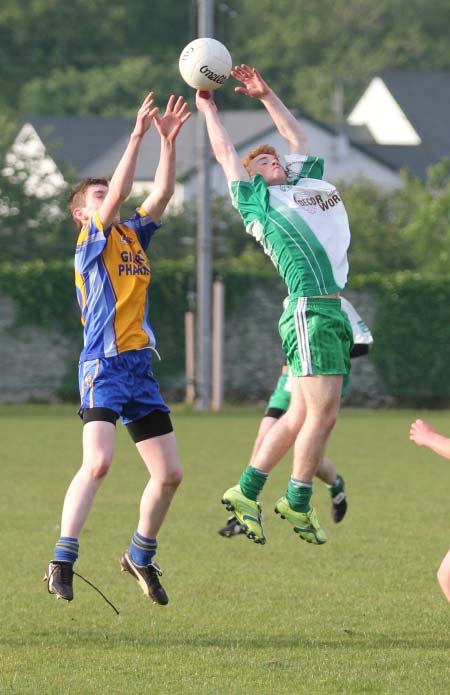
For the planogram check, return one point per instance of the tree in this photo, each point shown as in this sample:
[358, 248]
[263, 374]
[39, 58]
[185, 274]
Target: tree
[304, 47]
[34, 220]
[42, 36]
[103, 91]
[427, 233]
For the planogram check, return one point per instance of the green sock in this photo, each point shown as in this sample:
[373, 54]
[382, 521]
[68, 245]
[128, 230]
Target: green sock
[298, 495]
[252, 482]
[336, 488]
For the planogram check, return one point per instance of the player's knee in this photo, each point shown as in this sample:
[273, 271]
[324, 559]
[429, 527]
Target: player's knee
[295, 420]
[100, 467]
[441, 576]
[330, 421]
[322, 421]
[173, 478]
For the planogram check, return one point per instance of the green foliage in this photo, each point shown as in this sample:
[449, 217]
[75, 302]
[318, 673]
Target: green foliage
[34, 219]
[56, 55]
[403, 229]
[323, 42]
[43, 293]
[43, 36]
[111, 90]
[412, 334]
[427, 231]
[377, 244]
[32, 227]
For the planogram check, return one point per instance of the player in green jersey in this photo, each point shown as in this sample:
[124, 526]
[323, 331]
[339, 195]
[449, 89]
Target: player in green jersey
[301, 222]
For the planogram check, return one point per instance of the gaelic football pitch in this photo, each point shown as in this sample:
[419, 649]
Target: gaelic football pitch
[362, 614]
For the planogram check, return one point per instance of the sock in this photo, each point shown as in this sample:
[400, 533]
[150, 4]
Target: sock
[298, 495]
[142, 549]
[336, 488]
[66, 549]
[252, 482]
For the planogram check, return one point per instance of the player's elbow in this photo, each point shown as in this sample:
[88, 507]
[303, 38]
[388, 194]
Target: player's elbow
[118, 194]
[164, 196]
[225, 153]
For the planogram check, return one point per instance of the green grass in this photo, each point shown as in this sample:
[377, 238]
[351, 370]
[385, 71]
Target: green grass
[362, 614]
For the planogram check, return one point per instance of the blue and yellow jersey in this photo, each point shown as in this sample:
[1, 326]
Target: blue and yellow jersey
[112, 275]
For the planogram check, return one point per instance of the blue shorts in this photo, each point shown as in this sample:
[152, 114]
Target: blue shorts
[124, 384]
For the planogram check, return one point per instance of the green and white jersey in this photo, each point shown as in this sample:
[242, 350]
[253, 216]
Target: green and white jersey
[302, 226]
[361, 331]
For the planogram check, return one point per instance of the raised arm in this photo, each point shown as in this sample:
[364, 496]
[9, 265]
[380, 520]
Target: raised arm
[122, 179]
[222, 147]
[168, 127]
[285, 122]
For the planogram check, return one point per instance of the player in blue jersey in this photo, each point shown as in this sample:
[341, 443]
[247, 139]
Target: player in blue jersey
[301, 223]
[112, 275]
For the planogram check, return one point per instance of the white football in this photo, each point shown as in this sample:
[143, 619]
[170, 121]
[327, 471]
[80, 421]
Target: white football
[205, 64]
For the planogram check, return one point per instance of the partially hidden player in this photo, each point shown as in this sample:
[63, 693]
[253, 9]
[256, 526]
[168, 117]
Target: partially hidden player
[423, 434]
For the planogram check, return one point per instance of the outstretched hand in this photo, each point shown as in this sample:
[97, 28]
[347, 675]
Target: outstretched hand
[253, 84]
[174, 118]
[145, 115]
[421, 432]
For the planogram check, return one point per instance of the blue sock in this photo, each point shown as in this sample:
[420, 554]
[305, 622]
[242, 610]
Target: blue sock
[66, 549]
[142, 549]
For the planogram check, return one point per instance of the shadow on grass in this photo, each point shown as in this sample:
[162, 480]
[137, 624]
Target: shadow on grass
[343, 639]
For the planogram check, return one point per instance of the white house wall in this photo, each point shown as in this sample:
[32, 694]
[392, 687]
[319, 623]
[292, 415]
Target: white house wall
[380, 113]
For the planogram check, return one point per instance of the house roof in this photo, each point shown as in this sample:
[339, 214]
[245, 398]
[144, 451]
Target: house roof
[424, 98]
[76, 140]
[93, 146]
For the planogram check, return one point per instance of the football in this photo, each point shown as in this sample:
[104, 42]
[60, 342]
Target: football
[205, 64]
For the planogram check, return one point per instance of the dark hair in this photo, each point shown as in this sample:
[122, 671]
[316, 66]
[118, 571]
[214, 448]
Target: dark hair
[77, 198]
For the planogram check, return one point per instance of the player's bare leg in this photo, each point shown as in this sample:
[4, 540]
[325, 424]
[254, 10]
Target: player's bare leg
[443, 576]
[160, 455]
[98, 450]
[336, 487]
[320, 397]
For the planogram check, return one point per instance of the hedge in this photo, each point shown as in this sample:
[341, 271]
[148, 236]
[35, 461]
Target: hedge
[412, 327]
[412, 335]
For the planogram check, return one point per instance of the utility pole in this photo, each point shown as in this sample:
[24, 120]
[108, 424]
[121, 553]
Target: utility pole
[337, 106]
[204, 245]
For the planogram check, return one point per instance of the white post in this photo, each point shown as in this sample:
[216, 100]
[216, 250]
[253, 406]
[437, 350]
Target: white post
[189, 333]
[218, 335]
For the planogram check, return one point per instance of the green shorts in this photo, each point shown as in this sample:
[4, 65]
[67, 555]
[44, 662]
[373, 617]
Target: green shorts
[316, 336]
[281, 397]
